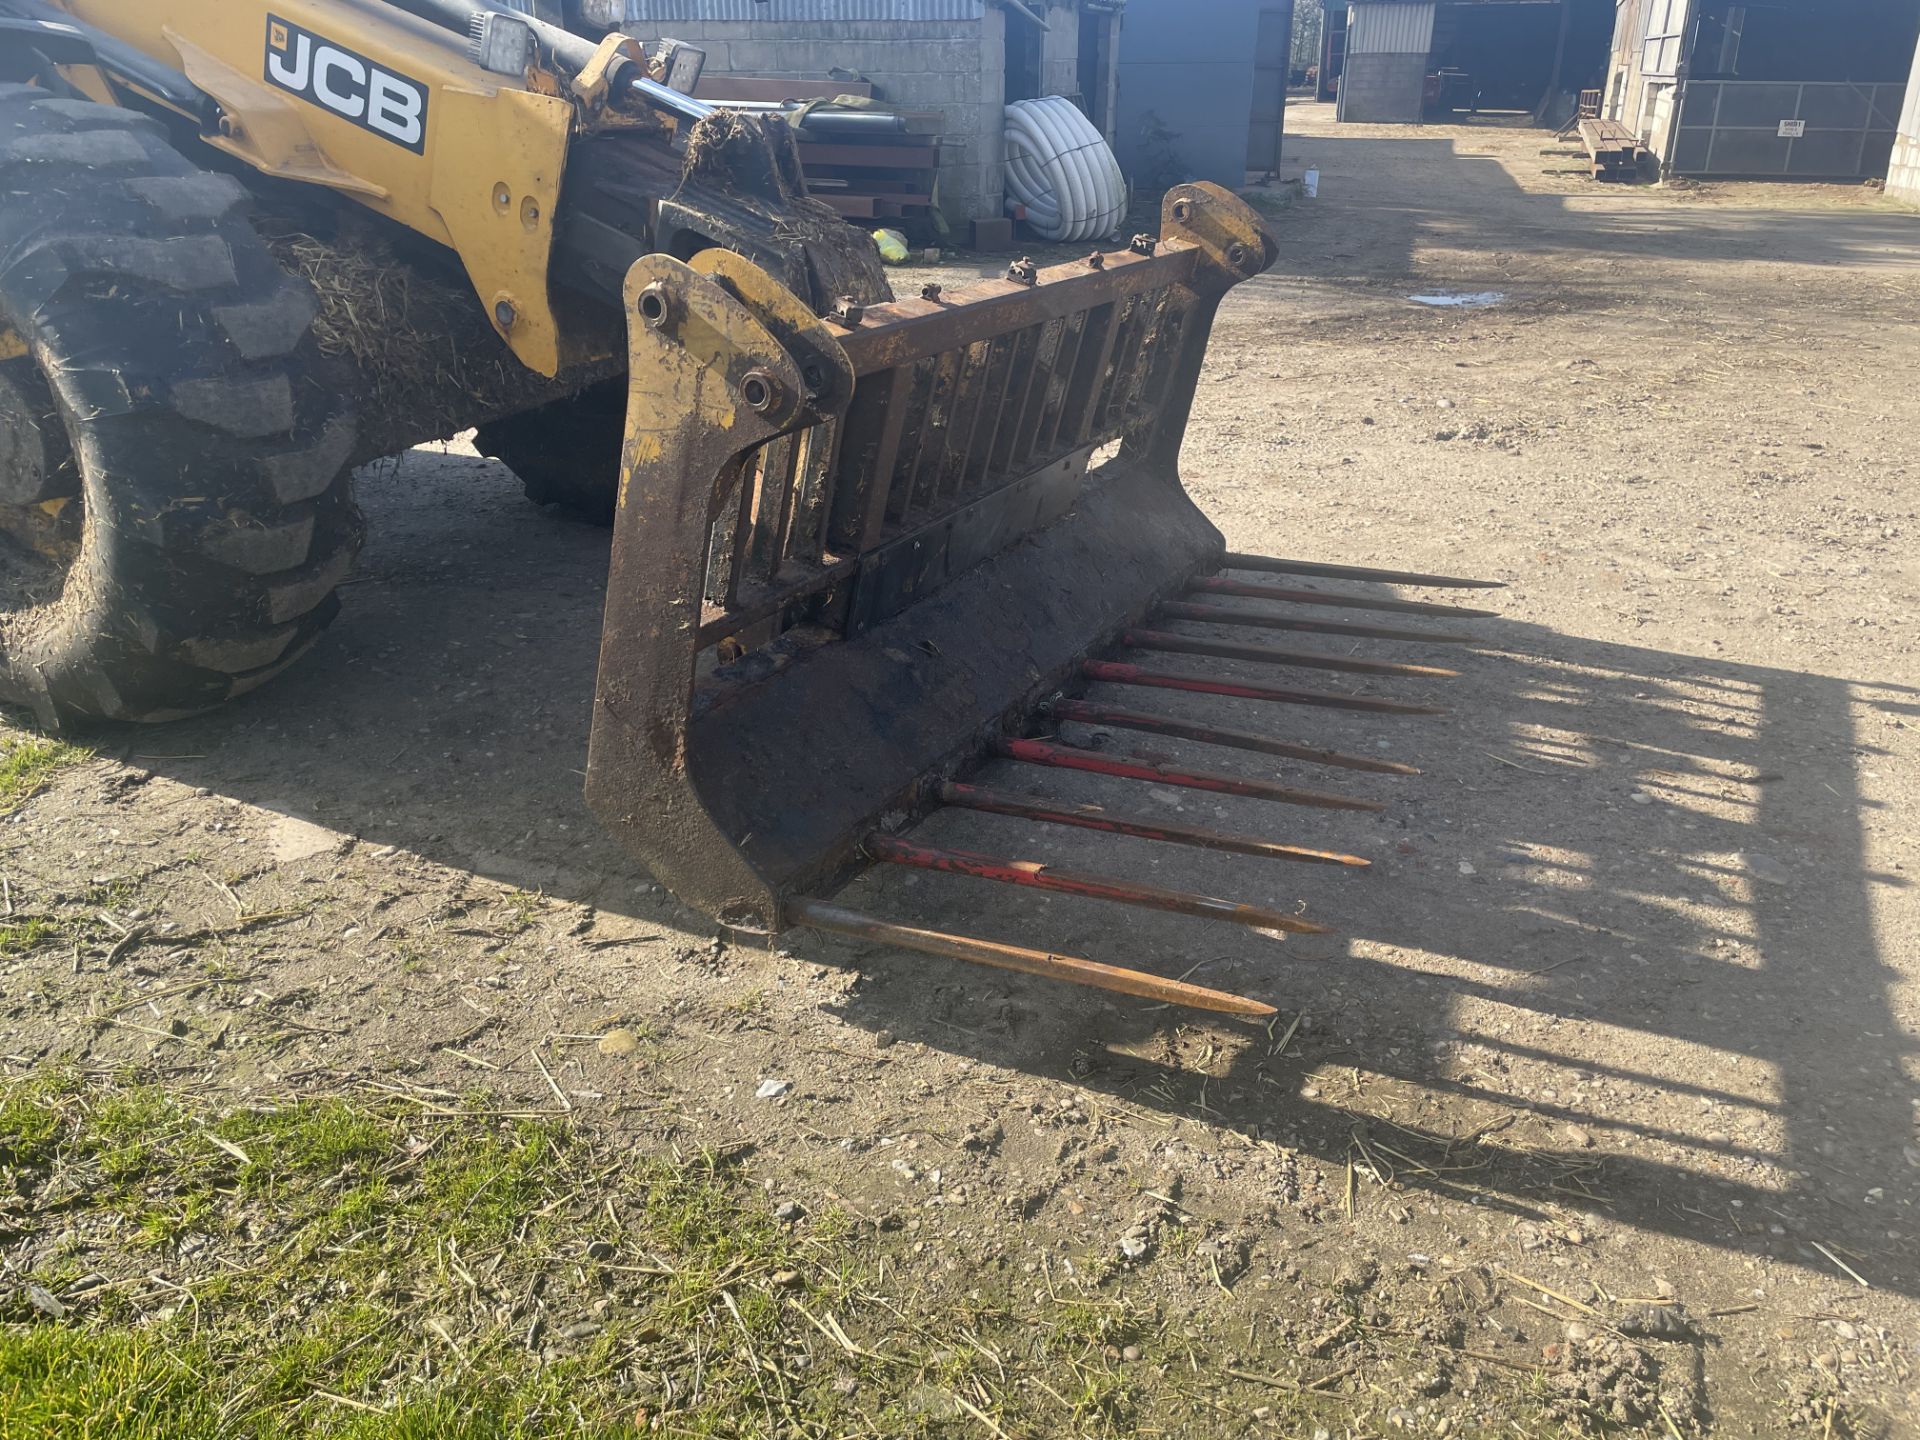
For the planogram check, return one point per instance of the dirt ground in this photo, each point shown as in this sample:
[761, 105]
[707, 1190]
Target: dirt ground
[1623, 1016]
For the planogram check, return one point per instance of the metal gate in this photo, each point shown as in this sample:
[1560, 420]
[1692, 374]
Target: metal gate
[1799, 130]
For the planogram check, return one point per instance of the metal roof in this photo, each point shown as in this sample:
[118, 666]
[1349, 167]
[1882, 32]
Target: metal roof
[682, 11]
[1401, 28]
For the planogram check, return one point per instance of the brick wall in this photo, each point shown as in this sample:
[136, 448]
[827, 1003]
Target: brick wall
[957, 67]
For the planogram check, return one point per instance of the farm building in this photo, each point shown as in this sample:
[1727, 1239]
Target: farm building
[957, 61]
[1403, 61]
[1788, 89]
[1180, 88]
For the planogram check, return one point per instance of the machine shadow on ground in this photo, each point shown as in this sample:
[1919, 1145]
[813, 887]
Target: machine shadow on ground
[1616, 951]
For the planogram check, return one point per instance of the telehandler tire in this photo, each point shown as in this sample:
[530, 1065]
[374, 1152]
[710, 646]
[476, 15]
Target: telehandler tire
[566, 453]
[174, 505]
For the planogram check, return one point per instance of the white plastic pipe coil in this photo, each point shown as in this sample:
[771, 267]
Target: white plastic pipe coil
[1063, 171]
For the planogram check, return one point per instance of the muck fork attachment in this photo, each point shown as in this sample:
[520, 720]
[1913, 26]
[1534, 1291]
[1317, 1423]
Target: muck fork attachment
[854, 558]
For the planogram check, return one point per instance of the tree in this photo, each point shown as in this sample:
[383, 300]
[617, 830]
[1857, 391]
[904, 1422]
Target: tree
[1307, 17]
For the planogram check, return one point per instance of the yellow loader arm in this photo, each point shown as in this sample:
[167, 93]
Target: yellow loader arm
[458, 138]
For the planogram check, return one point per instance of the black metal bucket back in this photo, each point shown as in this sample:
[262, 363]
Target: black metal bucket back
[851, 554]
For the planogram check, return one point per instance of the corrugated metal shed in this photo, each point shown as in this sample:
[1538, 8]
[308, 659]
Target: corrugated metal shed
[649, 11]
[1397, 28]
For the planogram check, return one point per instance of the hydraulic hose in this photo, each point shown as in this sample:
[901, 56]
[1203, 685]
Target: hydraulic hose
[1062, 171]
[571, 52]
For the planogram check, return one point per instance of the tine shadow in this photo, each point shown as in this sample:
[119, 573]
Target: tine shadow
[1616, 950]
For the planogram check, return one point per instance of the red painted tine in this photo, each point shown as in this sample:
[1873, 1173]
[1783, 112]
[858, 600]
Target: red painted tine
[1115, 673]
[1075, 971]
[1169, 642]
[1131, 767]
[1088, 713]
[1219, 585]
[1223, 615]
[1096, 817]
[1235, 560]
[1034, 875]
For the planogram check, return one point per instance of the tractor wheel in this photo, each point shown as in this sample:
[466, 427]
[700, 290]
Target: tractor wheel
[174, 510]
[566, 453]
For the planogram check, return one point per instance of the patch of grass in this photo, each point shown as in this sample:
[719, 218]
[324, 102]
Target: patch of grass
[25, 935]
[28, 763]
[318, 1140]
[30, 1125]
[331, 1268]
[519, 911]
[63, 1384]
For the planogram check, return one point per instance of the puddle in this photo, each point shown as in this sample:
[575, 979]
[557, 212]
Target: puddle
[1479, 299]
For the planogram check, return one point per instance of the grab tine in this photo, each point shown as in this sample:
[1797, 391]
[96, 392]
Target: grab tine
[1235, 560]
[1216, 585]
[1115, 673]
[1035, 875]
[840, 921]
[1222, 615]
[1133, 767]
[1088, 713]
[1097, 817]
[1174, 644]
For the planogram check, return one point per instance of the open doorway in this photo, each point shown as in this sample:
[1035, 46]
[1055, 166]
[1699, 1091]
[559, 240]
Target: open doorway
[1096, 67]
[1023, 61]
[1266, 121]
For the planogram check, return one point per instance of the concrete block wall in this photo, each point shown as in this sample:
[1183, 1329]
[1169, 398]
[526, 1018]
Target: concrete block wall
[957, 67]
[1383, 89]
[1059, 52]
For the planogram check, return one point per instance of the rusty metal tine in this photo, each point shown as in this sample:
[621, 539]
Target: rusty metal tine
[839, 921]
[1013, 397]
[970, 395]
[903, 499]
[869, 448]
[1072, 340]
[773, 507]
[986, 418]
[1135, 767]
[1034, 875]
[1088, 713]
[922, 479]
[1223, 615]
[1166, 640]
[1115, 673]
[1097, 817]
[1046, 354]
[1139, 320]
[1216, 585]
[823, 457]
[1079, 420]
[1267, 563]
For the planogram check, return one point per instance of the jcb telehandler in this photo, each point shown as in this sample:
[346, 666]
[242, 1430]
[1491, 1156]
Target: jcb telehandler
[859, 544]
